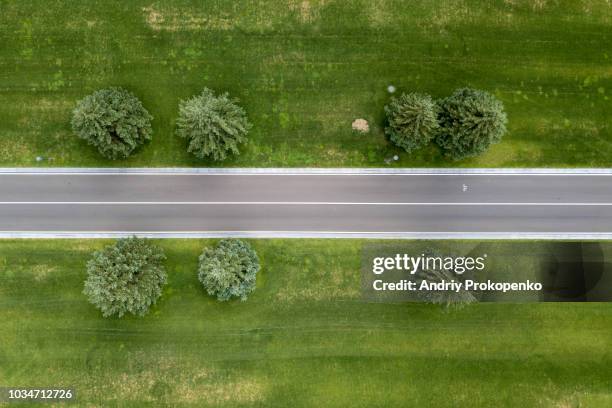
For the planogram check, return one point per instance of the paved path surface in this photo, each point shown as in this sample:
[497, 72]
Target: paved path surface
[409, 205]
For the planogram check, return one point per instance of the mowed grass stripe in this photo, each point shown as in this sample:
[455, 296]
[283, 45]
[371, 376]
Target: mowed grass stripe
[305, 70]
[304, 337]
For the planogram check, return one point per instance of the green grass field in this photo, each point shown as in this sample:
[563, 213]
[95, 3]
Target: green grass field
[304, 338]
[305, 69]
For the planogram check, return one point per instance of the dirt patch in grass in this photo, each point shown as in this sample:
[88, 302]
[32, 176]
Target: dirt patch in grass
[178, 20]
[361, 125]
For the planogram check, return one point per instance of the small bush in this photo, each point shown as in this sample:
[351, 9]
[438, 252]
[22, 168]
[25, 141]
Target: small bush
[229, 270]
[470, 121]
[126, 277]
[214, 125]
[447, 298]
[412, 121]
[114, 121]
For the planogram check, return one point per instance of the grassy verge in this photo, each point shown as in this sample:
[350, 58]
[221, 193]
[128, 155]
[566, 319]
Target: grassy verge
[304, 338]
[305, 70]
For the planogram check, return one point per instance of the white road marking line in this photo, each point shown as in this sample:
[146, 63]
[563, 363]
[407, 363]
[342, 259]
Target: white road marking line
[308, 174]
[544, 204]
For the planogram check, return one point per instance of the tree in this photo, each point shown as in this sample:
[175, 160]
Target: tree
[442, 297]
[412, 120]
[214, 125]
[114, 121]
[229, 270]
[470, 121]
[126, 277]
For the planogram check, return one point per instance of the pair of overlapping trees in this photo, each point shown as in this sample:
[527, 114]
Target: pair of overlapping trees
[128, 277]
[463, 125]
[115, 122]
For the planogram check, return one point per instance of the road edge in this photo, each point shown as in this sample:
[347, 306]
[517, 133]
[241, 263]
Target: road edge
[307, 234]
[301, 170]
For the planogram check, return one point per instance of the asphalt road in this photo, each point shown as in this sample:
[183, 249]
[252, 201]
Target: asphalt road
[267, 205]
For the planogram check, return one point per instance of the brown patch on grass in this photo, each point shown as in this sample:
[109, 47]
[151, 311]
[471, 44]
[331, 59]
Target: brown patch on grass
[49, 104]
[318, 294]
[33, 111]
[154, 18]
[568, 401]
[539, 4]
[41, 272]
[307, 11]
[451, 13]
[379, 14]
[240, 391]
[361, 125]
[173, 19]
[336, 154]
[536, 5]
[15, 147]
[185, 383]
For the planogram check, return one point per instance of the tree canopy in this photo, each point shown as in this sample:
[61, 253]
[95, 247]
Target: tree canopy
[126, 277]
[412, 120]
[114, 121]
[470, 121]
[215, 126]
[229, 270]
[442, 297]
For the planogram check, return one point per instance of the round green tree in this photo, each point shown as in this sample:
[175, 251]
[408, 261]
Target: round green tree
[114, 121]
[215, 126]
[229, 270]
[412, 120]
[126, 277]
[470, 121]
